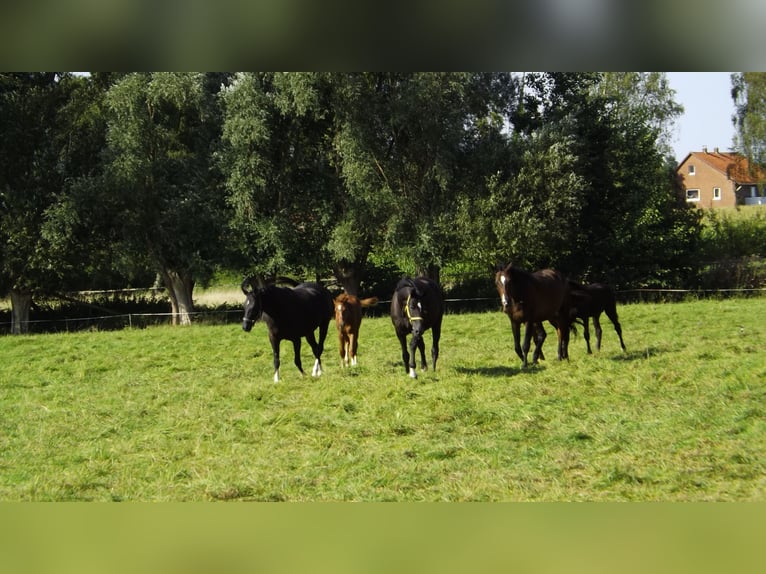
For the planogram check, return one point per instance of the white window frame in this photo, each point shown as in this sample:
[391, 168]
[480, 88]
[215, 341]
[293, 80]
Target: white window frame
[689, 198]
[692, 171]
[717, 194]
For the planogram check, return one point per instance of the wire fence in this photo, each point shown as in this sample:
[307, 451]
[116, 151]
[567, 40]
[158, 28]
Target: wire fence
[229, 315]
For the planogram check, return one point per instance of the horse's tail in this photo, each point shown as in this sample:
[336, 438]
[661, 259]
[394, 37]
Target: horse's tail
[369, 302]
[610, 305]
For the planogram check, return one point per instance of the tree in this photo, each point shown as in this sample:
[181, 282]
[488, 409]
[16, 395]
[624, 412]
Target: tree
[280, 184]
[402, 139]
[590, 188]
[531, 217]
[162, 133]
[749, 94]
[31, 183]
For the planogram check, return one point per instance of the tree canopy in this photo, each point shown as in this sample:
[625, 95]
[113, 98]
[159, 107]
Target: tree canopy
[316, 174]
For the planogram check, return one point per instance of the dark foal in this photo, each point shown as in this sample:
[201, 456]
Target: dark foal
[416, 306]
[290, 313]
[589, 301]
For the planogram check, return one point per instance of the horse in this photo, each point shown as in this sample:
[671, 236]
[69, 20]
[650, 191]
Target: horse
[531, 298]
[416, 306]
[290, 313]
[348, 318]
[589, 301]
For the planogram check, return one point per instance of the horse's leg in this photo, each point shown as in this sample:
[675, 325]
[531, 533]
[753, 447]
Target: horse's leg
[414, 343]
[275, 350]
[422, 350]
[562, 330]
[343, 338]
[597, 329]
[353, 343]
[436, 332]
[528, 329]
[297, 351]
[540, 336]
[612, 314]
[316, 349]
[586, 333]
[516, 329]
[405, 353]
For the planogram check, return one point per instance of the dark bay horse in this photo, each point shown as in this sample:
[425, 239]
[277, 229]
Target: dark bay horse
[589, 301]
[290, 313]
[348, 319]
[531, 298]
[416, 306]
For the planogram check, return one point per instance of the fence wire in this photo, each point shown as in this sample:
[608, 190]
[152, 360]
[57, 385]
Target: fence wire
[227, 316]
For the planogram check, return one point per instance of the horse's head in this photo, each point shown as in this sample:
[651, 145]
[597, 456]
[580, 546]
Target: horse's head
[252, 303]
[502, 282]
[342, 308]
[413, 308]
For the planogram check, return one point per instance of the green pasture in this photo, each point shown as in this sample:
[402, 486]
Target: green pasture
[184, 414]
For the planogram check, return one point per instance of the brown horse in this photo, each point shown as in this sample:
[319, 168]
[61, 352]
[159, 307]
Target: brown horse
[348, 318]
[589, 301]
[531, 298]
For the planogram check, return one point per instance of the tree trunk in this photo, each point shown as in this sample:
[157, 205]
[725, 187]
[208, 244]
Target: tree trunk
[21, 302]
[348, 274]
[180, 286]
[430, 271]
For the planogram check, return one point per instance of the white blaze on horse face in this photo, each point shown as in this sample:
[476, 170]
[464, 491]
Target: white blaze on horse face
[504, 298]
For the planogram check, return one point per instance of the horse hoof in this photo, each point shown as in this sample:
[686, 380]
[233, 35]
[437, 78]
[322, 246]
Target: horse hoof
[413, 374]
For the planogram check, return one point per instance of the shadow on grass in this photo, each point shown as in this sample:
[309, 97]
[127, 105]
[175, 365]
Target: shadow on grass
[638, 354]
[495, 371]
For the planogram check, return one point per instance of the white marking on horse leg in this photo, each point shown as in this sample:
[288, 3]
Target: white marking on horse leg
[317, 370]
[276, 376]
[353, 361]
[413, 374]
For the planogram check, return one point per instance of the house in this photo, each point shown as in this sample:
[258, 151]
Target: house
[721, 179]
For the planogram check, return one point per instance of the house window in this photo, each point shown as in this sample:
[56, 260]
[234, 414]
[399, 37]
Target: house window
[692, 195]
[691, 169]
[717, 193]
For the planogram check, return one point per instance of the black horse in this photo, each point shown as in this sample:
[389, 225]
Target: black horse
[589, 301]
[290, 313]
[531, 298]
[416, 306]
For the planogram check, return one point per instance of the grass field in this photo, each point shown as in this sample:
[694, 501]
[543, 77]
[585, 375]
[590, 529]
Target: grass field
[192, 414]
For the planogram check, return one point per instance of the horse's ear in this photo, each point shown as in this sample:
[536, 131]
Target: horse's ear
[253, 283]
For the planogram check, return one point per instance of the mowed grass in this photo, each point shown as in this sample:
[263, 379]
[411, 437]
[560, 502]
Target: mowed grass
[178, 414]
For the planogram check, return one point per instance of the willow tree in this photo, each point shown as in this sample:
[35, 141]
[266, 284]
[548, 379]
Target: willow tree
[402, 139]
[280, 182]
[162, 133]
[31, 184]
[749, 94]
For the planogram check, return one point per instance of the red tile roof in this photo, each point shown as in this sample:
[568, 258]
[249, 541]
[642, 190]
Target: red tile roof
[735, 166]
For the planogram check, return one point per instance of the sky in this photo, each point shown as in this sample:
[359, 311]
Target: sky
[708, 108]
